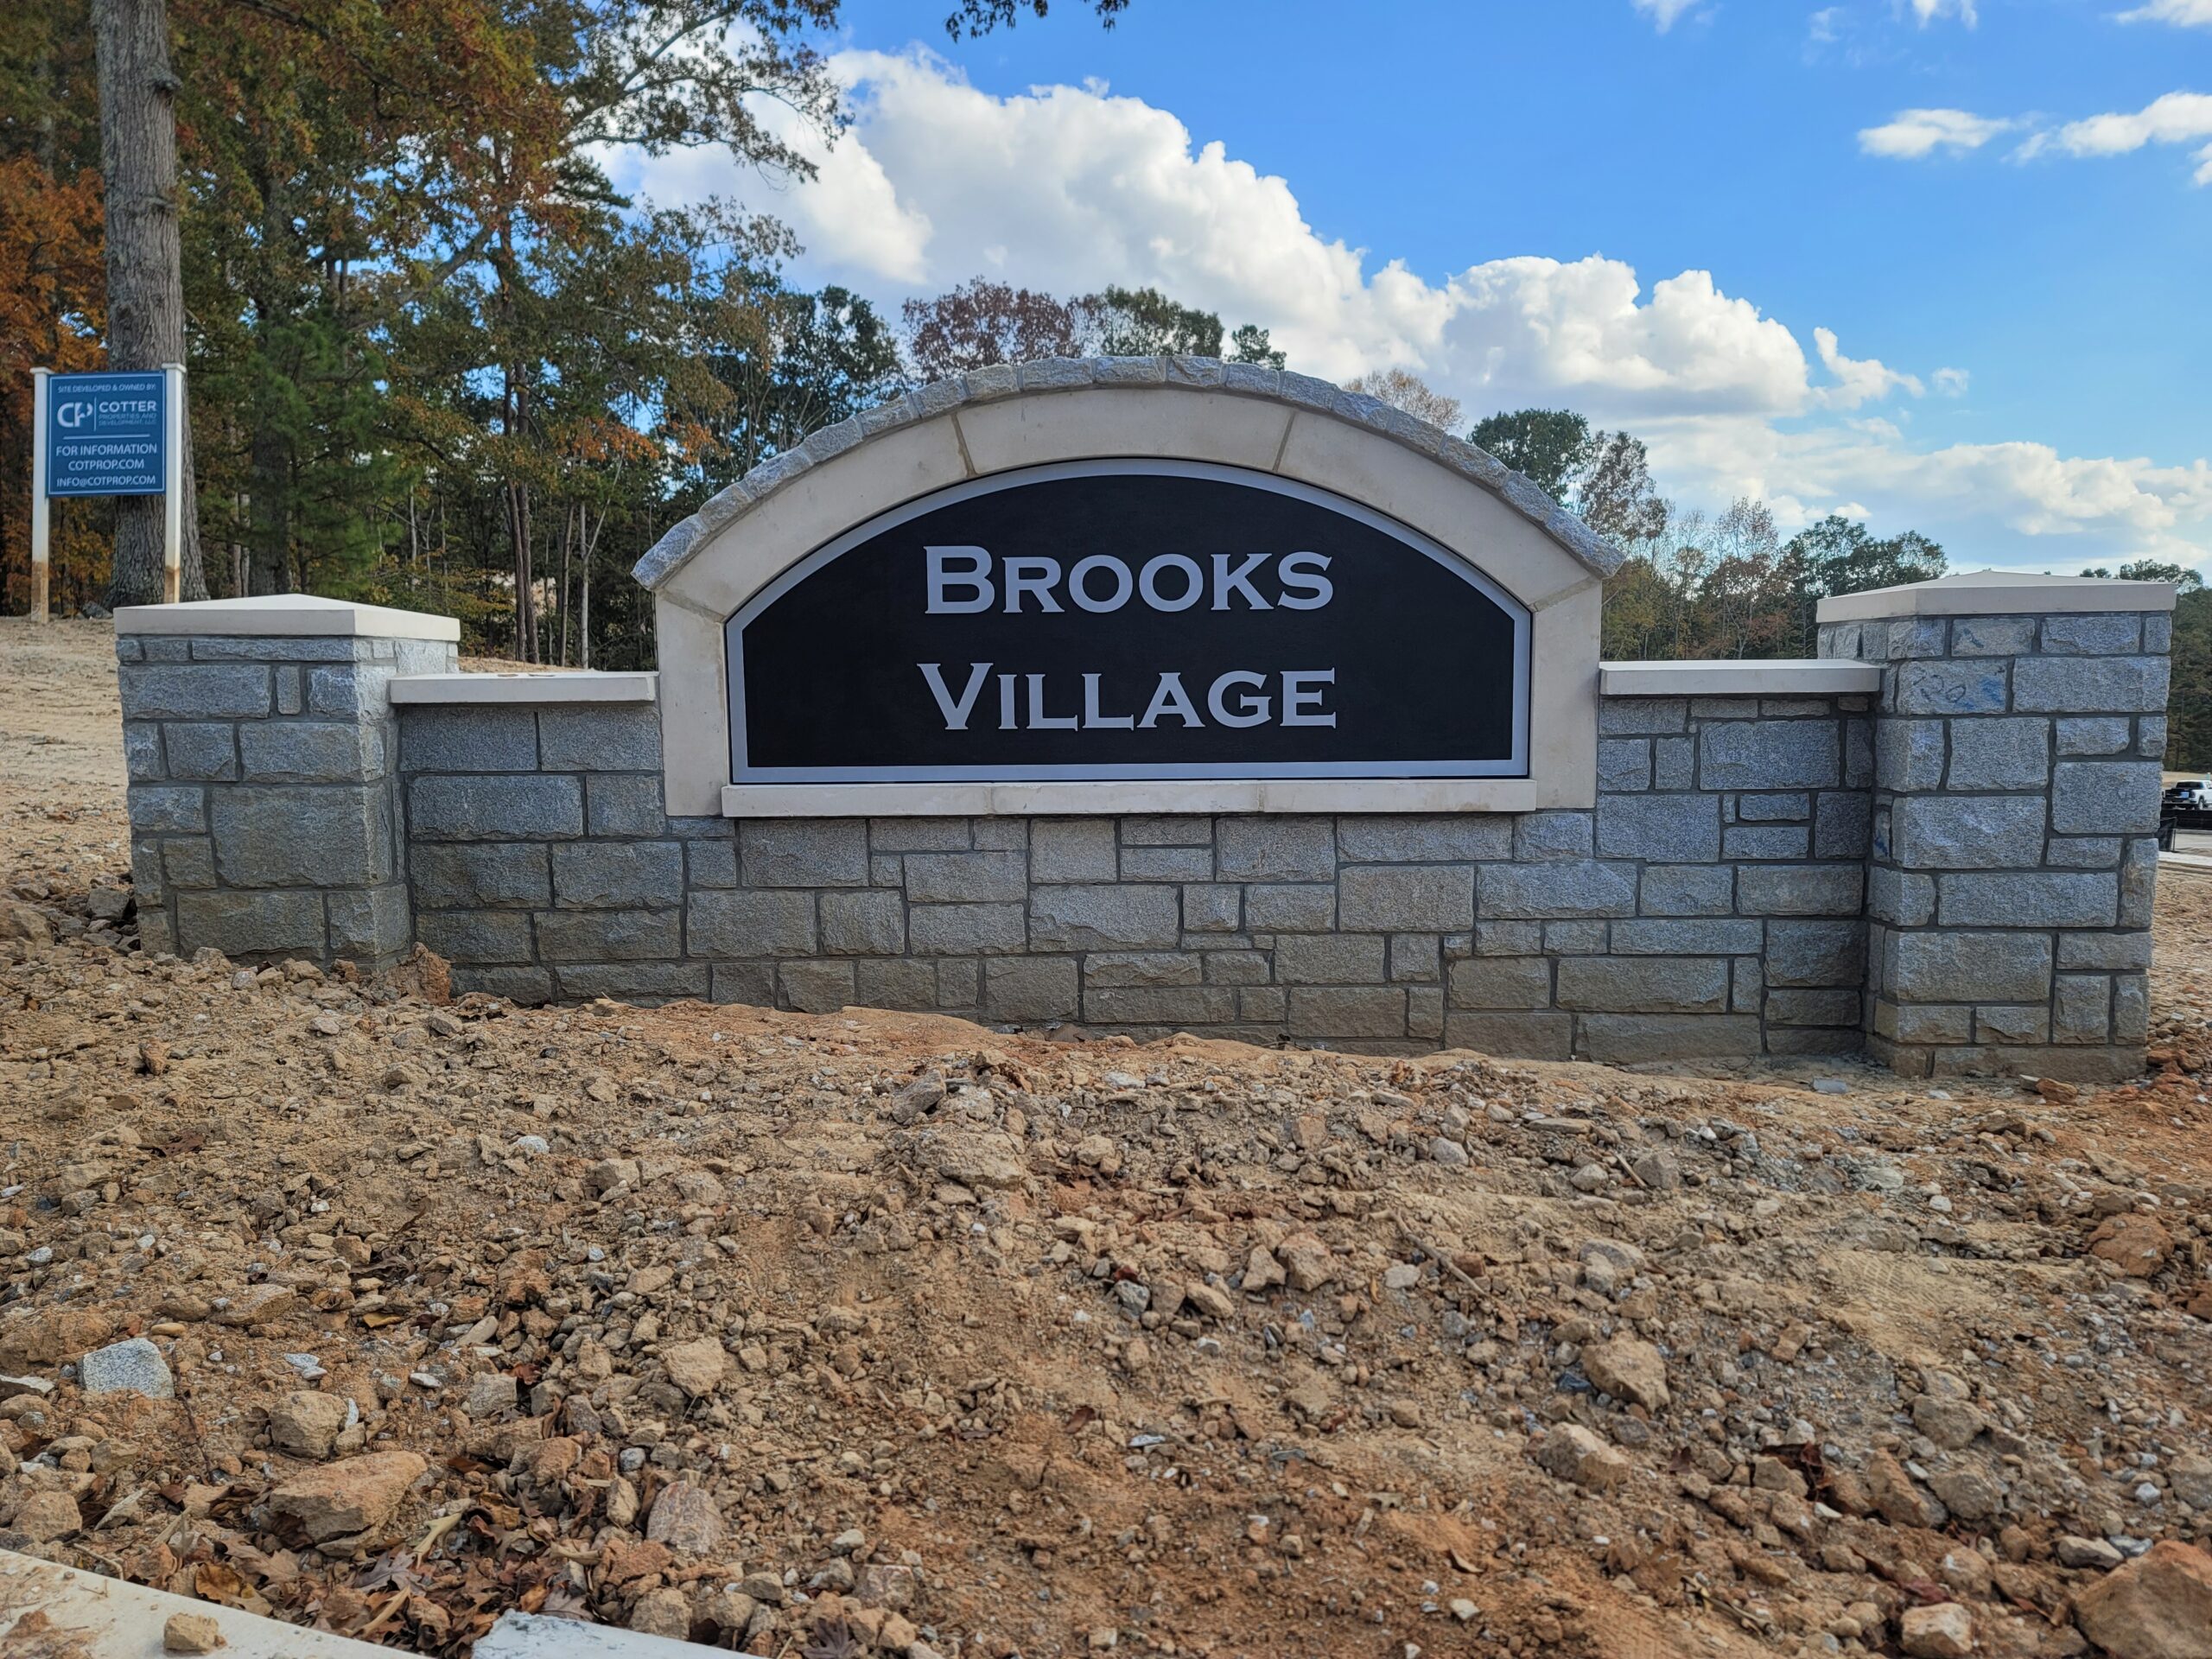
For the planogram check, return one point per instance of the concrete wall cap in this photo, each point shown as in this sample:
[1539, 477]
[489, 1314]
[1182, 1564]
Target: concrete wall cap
[1774, 677]
[1998, 592]
[1000, 381]
[572, 685]
[286, 616]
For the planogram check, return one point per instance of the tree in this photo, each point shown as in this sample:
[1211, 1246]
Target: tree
[1549, 447]
[1145, 323]
[1402, 389]
[145, 284]
[2188, 711]
[2181, 575]
[1614, 494]
[1250, 345]
[982, 322]
[974, 17]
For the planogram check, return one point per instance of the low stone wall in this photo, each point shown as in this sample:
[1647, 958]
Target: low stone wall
[1708, 905]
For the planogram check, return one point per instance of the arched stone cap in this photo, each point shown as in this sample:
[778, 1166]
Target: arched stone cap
[1007, 419]
[1002, 381]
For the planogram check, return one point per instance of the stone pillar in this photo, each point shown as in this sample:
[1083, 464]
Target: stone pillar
[262, 748]
[2017, 748]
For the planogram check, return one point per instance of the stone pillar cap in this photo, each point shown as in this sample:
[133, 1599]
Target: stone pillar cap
[287, 616]
[1998, 592]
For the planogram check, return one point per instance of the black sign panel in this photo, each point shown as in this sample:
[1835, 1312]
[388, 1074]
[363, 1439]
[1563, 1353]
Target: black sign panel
[1129, 620]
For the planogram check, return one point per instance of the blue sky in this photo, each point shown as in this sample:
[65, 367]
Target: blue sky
[1940, 262]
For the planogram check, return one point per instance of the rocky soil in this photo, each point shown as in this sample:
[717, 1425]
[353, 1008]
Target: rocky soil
[858, 1334]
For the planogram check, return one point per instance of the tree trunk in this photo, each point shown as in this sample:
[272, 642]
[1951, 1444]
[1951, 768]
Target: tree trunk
[145, 279]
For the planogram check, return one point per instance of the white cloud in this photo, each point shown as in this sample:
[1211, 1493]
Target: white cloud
[1069, 188]
[1927, 11]
[1911, 134]
[2177, 118]
[2182, 14]
[1823, 27]
[1663, 12]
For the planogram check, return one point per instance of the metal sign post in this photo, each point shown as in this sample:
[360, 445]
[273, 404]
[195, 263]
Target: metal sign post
[41, 514]
[118, 433]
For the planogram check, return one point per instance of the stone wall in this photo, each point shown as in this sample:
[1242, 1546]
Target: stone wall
[2015, 812]
[1709, 905]
[264, 807]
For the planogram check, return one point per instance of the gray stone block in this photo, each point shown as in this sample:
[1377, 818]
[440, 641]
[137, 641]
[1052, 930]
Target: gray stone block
[2131, 1004]
[971, 929]
[2094, 735]
[2007, 754]
[922, 835]
[1508, 939]
[1100, 918]
[291, 692]
[1290, 909]
[1993, 636]
[619, 804]
[1425, 1012]
[1799, 889]
[1919, 636]
[1642, 717]
[2081, 1010]
[897, 983]
[203, 750]
[1815, 953]
[1970, 832]
[1237, 968]
[1539, 837]
[1575, 938]
[2107, 633]
[1192, 1005]
[2027, 899]
[165, 651]
[608, 935]
[1623, 764]
[1558, 890]
[1274, 849]
[816, 986]
[477, 937]
[1262, 1004]
[1182, 831]
[1416, 958]
[167, 809]
[1930, 1023]
[1212, 909]
[750, 923]
[368, 924]
[1073, 849]
[1952, 688]
[1636, 1039]
[1514, 1036]
[1166, 863]
[2151, 737]
[360, 692]
[1766, 841]
[1909, 754]
[1665, 829]
[1368, 838]
[2084, 852]
[1331, 959]
[2090, 685]
[588, 739]
[483, 875]
[194, 691]
[1674, 763]
[1411, 898]
[960, 984]
[1000, 835]
[618, 875]
[1501, 983]
[863, 924]
[303, 835]
[2012, 1024]
[2158, 632]
[1794, 806]
[1688, 890]
[495, 809]
[2138, 876]
[1030, 989]
[188, 863]
[645, 982]
[1837, 1006]
[1642, 985]
[468, 738]
[1842, 825]
[1769, 754]
[242, 924]
[1365, 1012]
[753, 983]
[1693, 937]
[710, 863]
[2105, 797]
[1113, 969]
[803, 852]
[2111, 951]
[142, 751]
[312, 750]
[1973, 966]
[1746, 985]
[967, 878]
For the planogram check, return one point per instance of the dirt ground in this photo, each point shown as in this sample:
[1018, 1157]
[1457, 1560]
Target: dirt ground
[825, 1336]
